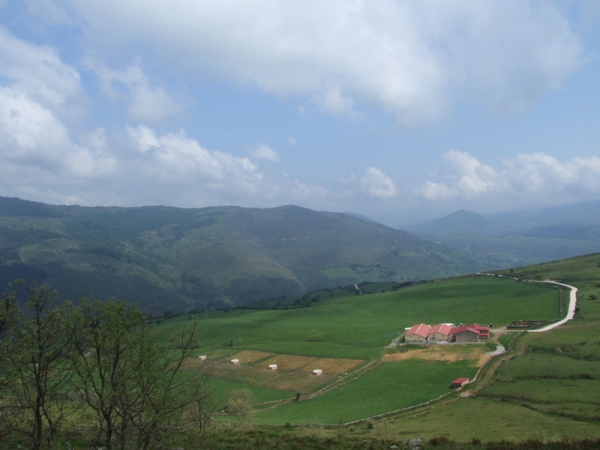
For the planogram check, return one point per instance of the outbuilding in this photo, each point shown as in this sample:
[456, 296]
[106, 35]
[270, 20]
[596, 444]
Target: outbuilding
[317, 372]
[439, 332]
[466, 333]
[272, 366]
[202, 358]
[417, 333]
[235, 362]
[460, 382]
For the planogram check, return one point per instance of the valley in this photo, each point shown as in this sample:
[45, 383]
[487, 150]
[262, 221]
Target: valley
[299, 320]
[347, 339]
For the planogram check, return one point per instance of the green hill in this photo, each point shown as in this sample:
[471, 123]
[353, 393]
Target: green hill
[179, 259]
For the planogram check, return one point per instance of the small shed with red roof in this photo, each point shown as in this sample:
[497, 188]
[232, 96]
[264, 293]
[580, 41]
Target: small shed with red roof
[460, 382]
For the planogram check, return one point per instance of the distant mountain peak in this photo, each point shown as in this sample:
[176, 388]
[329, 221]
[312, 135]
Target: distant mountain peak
[458, 222]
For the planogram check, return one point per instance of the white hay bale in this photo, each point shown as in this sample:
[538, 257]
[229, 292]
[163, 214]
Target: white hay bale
[317, 372]
[235, 362]
[272, 366]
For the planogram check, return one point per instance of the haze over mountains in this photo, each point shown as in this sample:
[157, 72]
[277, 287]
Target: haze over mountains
[173, 258]
[521, 237]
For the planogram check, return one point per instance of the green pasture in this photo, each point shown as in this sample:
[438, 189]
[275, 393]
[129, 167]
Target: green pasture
[575, 340]
[535, 366]
[555, 391]
[359, 326]
[464, 419]
[222, 389]
[582, 272]
[558, 375]
[388, 387]
[506, 339]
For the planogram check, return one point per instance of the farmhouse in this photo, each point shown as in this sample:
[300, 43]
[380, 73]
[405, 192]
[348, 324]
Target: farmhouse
[439, 332]
[418, 333]
[469, 333]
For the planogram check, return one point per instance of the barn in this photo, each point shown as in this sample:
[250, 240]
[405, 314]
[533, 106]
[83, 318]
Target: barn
[417, 333]
[439, 332]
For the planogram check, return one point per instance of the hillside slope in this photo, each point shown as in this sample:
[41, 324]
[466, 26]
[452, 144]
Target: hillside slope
[173, 258]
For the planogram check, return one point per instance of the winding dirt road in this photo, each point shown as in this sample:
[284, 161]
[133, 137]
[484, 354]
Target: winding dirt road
[571, 311]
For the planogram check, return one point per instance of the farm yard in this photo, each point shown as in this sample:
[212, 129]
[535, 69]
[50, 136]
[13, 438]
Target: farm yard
[346, 339]
[294, 373]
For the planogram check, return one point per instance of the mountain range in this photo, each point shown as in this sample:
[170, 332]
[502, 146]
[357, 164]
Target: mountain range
[167, 258]
[519, 237]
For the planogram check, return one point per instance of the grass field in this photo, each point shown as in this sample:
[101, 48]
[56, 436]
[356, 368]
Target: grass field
[547, 388]
[388, 387]
[294, 372]
[222, 388]
[340, 335]
[358, 327]
[558, 374]
[477, 418]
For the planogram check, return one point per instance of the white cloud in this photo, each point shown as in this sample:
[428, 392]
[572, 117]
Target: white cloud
[436, 191]
[93, 160]
[38, 100]
[333, 100]
[537, 176]
[38, 73]
[377, 184]
[406, 57]
[292, 140]
[475, 177]
[264, 152]
[175, 156]
[29, 133]
[147, 101]
[541, 173]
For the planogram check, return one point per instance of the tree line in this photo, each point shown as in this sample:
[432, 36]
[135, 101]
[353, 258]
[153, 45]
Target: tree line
[98, 371]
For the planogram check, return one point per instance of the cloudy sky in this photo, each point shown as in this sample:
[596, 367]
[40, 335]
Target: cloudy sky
[399, 110]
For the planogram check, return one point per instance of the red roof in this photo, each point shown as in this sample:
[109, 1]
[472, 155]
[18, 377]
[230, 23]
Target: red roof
[456, 330]
[441, 328]
[460, 380]
[420, 330]
[473, 328]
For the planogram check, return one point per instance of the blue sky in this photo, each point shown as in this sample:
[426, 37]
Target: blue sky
[399, 110]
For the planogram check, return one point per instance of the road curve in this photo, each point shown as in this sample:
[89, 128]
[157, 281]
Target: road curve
[571, 311]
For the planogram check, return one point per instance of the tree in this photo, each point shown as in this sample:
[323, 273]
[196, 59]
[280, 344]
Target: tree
[134, 386]
[36, 371]
[9, 316]
[240, 402]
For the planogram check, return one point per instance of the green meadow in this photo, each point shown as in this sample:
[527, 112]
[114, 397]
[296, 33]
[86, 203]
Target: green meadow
[388, 387]
[222, 388]
[360, 326]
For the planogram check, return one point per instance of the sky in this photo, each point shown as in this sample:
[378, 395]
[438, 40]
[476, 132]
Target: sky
[398, 110]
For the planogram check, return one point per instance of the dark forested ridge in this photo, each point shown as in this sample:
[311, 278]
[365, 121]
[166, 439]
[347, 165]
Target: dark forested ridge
[175, 258]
